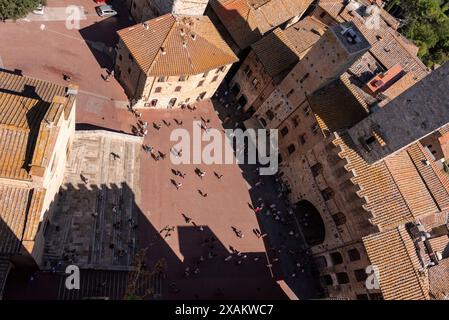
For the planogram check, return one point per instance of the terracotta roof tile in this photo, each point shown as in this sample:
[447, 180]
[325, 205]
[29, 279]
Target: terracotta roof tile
[27, 112]
[177, 45]
[388, 46]
[338, 105]
[304, 34]
[394, 254]
[290, 45]
[439, 280]
[399, 189]
[286, 56]
[20, 210]
[247, 20]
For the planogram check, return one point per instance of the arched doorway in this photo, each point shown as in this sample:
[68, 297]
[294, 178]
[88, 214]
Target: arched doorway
[311, 222]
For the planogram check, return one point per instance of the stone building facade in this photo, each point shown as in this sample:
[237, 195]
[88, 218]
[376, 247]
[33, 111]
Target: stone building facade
[143, 10]
[262, 71]
[37, 125]
[170, 71]
[353, 202]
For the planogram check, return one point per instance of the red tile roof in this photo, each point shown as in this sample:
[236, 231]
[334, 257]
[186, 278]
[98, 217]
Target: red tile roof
[173, 45]
[247, 20]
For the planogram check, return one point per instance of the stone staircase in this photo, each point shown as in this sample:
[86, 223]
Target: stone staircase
[109, 285]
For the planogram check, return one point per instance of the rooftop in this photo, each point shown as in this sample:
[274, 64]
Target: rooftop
[351, 38]
[393, 253]
[338, 105]
[173, 45]
[290, 44]
[20, 210]
[248, 20]
[387, 45]
[29, 112]
[400, 189]
[416, 113]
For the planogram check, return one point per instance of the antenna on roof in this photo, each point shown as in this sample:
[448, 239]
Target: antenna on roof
[146, 26]
[193, 36]
[163, 51]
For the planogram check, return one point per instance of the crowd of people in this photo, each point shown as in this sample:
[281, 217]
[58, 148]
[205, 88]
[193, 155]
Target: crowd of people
[261, 208]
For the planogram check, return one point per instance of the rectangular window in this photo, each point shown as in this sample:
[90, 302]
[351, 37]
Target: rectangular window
[161, 79]
[255, 82]
[183, 78]
[200, 83]
[327, 194]
[214, 78]
[316, 169]
[291, 148]
[158, 90]
[284, 131]
[205, 74]
[360, 275]
[295, 121]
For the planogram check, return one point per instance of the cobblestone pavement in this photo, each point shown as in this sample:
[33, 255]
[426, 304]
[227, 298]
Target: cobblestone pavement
[94, 223]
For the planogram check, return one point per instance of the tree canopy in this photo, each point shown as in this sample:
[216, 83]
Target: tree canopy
[426, 23]
[15, 9]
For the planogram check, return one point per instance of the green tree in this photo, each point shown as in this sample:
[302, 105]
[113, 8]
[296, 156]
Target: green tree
[426, 23]
[15, 9]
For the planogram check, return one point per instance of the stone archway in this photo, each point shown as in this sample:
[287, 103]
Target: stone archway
[312, 224]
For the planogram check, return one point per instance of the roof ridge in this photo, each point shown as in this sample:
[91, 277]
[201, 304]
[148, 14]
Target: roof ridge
[162, 44]
[402, 228]
[213, 44]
